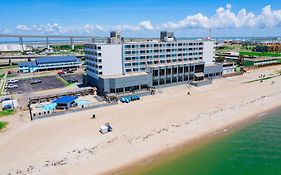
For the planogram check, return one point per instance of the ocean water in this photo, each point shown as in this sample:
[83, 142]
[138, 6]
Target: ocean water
[254, 149]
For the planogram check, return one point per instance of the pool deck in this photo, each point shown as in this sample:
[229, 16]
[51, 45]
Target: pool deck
[36, 107]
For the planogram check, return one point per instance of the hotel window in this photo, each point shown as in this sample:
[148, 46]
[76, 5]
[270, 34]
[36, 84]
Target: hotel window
[180, 70]
[175, 70]
[168, 71]
[118, 90]
[162, 72]
[155, 83]
[168, 80]
[155, 73]
[180, 79]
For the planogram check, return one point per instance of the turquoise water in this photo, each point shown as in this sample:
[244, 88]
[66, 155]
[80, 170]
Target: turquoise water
[52, 106]
[48, 107]
[252, 150]
[82, 102]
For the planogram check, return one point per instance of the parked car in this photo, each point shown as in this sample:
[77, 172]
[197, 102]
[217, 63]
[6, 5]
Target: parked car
[11, 86]
[36, 81]
[72, 81]
[69, 71]
[61, 73]
[13, 80]
[5, 99]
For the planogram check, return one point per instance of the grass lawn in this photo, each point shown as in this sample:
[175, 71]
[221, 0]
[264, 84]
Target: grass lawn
[6, 112]
[261, 54]
[266, 78]
[3, 125]
[7, 67]
[2, 75]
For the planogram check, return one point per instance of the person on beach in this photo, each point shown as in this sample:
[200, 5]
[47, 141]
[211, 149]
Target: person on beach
[188, 93]
[94, 116]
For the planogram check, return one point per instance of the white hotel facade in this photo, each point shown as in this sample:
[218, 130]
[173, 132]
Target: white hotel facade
[118, 66]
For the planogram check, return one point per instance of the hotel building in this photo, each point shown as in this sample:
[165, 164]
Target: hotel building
[122, 66]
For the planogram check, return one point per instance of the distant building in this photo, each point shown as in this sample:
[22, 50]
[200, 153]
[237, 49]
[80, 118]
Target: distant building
[261, 61]
[14, 48]
[124, 66]
[49, 63]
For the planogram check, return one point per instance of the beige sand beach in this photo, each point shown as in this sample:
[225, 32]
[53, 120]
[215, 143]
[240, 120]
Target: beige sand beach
[71, 144]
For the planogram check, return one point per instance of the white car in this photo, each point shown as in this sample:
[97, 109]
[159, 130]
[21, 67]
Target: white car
[12, 86]
[13, 81]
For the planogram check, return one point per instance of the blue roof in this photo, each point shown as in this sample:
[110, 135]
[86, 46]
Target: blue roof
[27, 64]
[65, 99]
[56, 59]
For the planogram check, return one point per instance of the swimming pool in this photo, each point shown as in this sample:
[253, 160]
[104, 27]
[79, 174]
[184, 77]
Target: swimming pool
[48, 107]
[82, 102]
[52, 106]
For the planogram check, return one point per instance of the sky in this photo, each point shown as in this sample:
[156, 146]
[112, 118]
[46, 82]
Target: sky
[142, 18]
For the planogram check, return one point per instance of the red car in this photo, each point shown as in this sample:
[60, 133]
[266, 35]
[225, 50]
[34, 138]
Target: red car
[61, 73]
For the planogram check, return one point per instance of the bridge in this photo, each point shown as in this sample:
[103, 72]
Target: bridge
[48, 37]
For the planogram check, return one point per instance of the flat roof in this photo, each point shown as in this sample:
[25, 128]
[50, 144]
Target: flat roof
[150, 42]
[65, 99]
[27, 64]
[56, 59]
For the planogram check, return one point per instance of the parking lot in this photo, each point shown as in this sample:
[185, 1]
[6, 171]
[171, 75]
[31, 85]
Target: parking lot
[77, 77]
[25, 86]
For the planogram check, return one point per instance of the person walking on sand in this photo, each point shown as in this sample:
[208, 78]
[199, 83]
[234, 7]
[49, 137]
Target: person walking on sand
[94, 116]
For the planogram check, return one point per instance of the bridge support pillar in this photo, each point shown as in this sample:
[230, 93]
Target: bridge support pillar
[21, 44]
[71, 43]
[47, 43]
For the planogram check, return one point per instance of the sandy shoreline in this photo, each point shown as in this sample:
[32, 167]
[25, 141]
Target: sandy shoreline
[72, 144]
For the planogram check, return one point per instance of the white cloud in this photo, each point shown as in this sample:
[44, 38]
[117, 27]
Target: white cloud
[22, 27]
[146, 25]
[224, 18]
